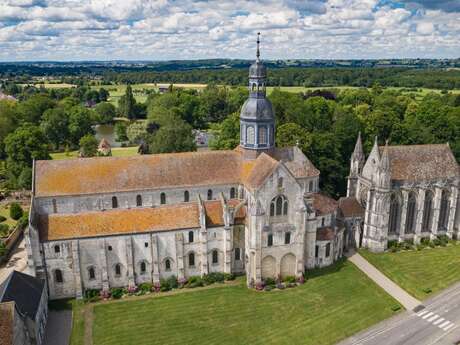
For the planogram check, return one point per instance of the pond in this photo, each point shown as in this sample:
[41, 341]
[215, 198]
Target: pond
[107, 132]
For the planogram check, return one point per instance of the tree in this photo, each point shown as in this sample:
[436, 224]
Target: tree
[103, 94]
[32, 109]
[55, 123]
[226, 134]
[8, 116]
[106, 112]
[16, 211]
[126, 104]
[291, 134]
[120, 131]
[25, 144]
[176, 136]
[88, 146]
[80, 123]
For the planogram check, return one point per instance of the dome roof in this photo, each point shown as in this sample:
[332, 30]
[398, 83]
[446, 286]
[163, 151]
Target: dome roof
[257, 69]
[257, 109]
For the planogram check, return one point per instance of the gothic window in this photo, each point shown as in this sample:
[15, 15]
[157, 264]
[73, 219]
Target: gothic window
[58, 276]
[232, 193]
[57, 249]
[263, 135]
[162, 198]
[411, 213]
[91, 273]
[191, 260]
[138, 200]
[395, 211]
[444, 211]
[167, 265]
[279, 206]
[363, 196]
[114, 202]
[310, 186]
[427, 212]
[316, 251]
[237, 254]
[117, 270]
[190, 236]
[287, 238]
[186, 196]
[143, 267]
[269, 240]
[146, 244]
[54, 206]
[209, 194]
[215, 257]
[250, 135]
[328, 250]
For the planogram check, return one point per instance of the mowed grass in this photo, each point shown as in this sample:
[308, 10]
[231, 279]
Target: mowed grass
[335, 303]
[5, 212]
[116, 152]
[417, 271]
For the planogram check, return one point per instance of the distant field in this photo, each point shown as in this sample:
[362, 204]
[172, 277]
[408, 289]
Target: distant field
[116, 152]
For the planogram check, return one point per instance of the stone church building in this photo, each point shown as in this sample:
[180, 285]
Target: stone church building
[408, 192]
[97, 223]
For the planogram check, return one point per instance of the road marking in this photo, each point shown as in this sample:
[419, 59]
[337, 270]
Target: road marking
[431, 319]
[427, 315]
[422, 312]
[444, 324]
[448, 327]
[438, 321]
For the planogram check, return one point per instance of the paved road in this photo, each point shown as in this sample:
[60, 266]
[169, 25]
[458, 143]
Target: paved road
[437, 323]
[58, 328]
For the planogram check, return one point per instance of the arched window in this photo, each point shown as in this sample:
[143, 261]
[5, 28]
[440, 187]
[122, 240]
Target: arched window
[328, 250]
[91, 273]
[232, 193]
[190, 236]
[191, 260]
[215, 257]
[57, 249]
[54, 206]
[237, 254]
[269, 240]
[279, 206]
[209, 194]
[263, 135]
[444, 211]
[167, 265]
[58, 276]
[162, 198]
[143, 267]
[253, 87]
[186, 196]
[114, 202]
[411, 213]
[287, 238]
[117, 269]
[395, 211]
[138, 200]
[427, 212]
[250, 135]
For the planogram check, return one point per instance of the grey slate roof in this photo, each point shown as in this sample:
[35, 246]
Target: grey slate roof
[25, 290]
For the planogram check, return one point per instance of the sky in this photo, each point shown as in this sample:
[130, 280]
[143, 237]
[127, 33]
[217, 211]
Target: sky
[71, 30]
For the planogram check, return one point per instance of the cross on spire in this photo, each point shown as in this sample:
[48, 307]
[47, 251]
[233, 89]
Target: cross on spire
[258, 42]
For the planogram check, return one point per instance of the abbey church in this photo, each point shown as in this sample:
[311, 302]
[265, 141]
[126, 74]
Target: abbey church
[98, 223]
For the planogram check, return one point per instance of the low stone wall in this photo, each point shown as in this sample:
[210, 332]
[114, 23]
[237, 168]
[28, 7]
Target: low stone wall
[10, 242]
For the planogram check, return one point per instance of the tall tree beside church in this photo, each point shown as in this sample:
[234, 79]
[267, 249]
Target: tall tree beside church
[126, 104]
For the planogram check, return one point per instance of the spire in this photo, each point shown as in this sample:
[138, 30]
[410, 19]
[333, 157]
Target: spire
[375, 149]
[385, 161]
[358, 152]
[258, 43]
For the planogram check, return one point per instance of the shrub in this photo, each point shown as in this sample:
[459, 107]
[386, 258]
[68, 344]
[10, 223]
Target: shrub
[420, 247]
[157, 287]
[260, 286]
[23, 222]
[131, 289]
[425, 241]
[270, 282]
[396, 307]
[104, 294]
[289, 279]
[182, 282]
[427, 290]
[145, 287]
[214, 277]
[229, 276]
[432, 244]
[92, 295]
[280, 286]
[16, 211]
[116, 293]
[164, 285]
[2, 219]
[2, 248]
[172, 281]
[437, 242]
[194, 281]
[4, 230]
[268, 288]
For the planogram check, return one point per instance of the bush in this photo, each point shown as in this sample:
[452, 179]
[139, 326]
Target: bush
[172, 281]
[289, 279]
[214, 277]
[194, 281]
[16, 211]
[396, 307]
[427, 290]
[4, 230]
[2, 219]
[425, 241]
[145, 287]
[268, 288]
[229, 276]
[164, 285]
[2, 248]
[437, 242]
[23, 222]
[117, 293]
[92, 295]
[270, 282]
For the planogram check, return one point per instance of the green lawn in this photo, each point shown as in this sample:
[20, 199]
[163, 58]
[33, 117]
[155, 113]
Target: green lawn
[416, 271]
[334, 303]
[5, 212]
[116, 152]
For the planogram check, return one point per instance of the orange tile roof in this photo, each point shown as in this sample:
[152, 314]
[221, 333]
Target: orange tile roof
[324, 204]
[350, 207]
[325, 234]
[7, 311]
[136, 220]
[422, 162]
[119, 221]
[262, 167]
